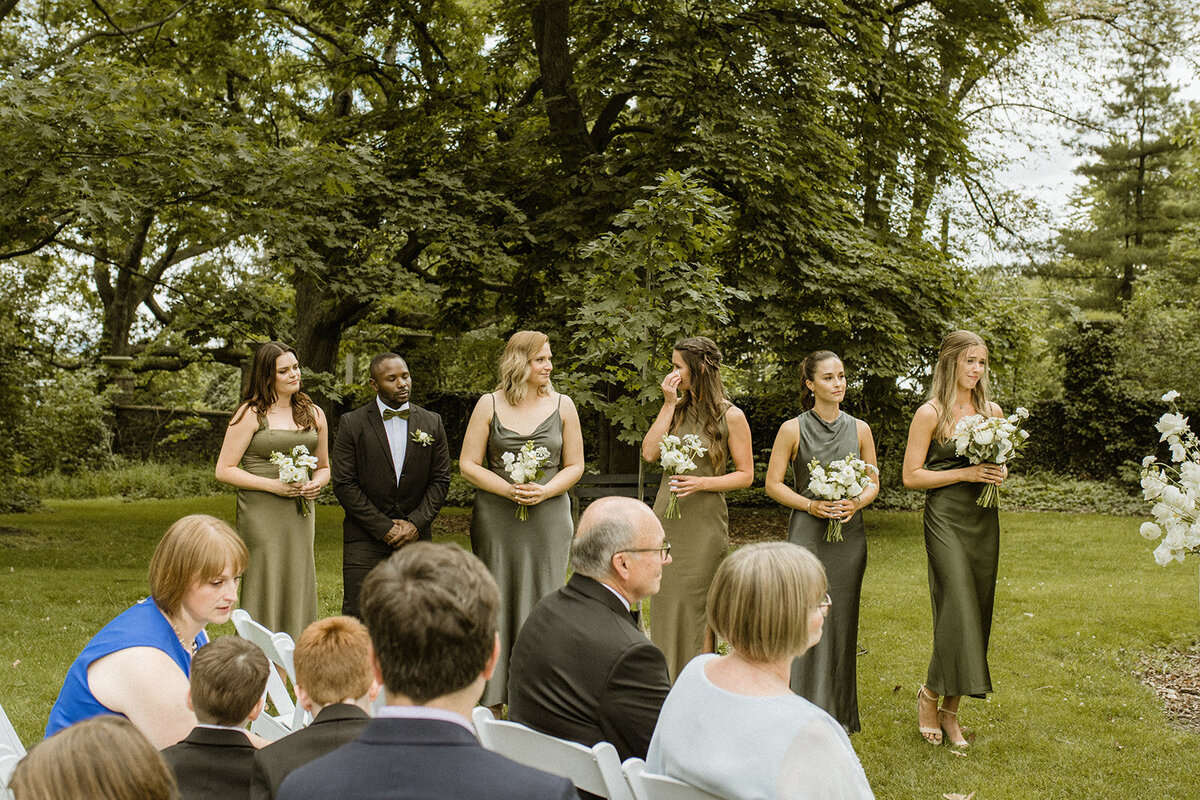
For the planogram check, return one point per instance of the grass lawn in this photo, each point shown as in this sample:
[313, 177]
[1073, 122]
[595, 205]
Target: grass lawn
[1079, 601]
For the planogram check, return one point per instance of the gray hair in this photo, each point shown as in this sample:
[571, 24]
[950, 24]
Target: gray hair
[609, 525]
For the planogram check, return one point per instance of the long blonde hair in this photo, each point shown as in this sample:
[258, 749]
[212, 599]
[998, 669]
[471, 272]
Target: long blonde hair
[944, 387]
[706, 393]
[514, 365]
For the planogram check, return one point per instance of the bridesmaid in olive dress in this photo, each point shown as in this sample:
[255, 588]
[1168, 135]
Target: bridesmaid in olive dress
[279, 588]
[962, 540]
[694, 401]
[527, 558]
[827, 673]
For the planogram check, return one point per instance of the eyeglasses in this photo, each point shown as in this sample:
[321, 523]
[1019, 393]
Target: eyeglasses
[663, 551]
[825, 604]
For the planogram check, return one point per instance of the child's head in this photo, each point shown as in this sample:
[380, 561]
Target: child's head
[333, 661]
[229, 676]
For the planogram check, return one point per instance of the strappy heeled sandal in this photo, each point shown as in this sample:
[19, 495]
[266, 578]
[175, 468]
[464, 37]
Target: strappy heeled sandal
[961, 742]
[931, 735]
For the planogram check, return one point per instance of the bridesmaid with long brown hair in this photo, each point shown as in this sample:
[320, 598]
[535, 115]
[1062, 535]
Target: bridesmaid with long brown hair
[279, 588]
[962, 539]
[694, 401]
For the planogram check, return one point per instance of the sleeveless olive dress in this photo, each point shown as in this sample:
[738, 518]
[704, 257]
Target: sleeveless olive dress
[527, 558]
[962, 542]
[827, 673]
[279, 587]
[699, 540]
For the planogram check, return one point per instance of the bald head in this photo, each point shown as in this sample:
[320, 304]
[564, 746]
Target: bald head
[611, 530]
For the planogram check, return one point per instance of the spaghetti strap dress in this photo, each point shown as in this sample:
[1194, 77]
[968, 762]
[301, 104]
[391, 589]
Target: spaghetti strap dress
[527, 558]
[962, 542]
[279, 587]
[699, 541]
[827, 674]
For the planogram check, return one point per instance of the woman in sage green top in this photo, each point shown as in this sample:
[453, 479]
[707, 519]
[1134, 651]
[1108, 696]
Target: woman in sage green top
[277, 519]
[694, 402]
[528, 558]
[962, 539]
[827, 673]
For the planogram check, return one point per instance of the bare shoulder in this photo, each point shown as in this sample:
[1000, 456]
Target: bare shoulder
[735, 414]
[320, 414]
[862, 426]
[926, 412]
[995, 410]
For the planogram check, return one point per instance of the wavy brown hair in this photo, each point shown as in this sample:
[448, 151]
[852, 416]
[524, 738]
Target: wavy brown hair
[808, 372]
[706, 396]
[944, 386]
[514, 370]
[260, 391]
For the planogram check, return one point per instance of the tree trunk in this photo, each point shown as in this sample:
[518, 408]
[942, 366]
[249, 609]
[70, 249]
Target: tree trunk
[551, 34]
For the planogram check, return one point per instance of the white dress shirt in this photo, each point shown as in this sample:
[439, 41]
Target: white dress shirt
[397, 434]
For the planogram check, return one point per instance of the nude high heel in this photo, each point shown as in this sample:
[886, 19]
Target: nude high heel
[961, 742]
[931, 735]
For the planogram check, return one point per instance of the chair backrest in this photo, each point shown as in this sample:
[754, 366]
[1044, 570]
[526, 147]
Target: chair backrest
[8, 735]
[280, 650]
[647, 786]
[8, 763]
[595, 769]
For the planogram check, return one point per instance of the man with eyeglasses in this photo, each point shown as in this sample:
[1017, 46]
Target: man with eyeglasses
[582, 669]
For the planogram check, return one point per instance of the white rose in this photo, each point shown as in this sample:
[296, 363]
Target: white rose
[1163, 555]
[1150, 531]
[984, 436]
[1178, 451]
[1171, 425]
[1170, 396]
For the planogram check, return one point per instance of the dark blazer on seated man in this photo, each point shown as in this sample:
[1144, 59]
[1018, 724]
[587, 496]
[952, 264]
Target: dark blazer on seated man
[431, 610]
[334, 726]
[212, 764]
[391, 477]
[581, 668]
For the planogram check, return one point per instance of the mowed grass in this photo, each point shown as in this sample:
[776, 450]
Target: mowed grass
[1079, 600]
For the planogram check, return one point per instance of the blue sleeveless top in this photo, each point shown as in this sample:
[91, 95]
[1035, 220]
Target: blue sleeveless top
[142, 625]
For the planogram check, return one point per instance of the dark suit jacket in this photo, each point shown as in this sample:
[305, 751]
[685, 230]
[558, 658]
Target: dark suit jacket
[582, 670]
[212, 764]
[419, 759]
[333, 727]
[364, 480]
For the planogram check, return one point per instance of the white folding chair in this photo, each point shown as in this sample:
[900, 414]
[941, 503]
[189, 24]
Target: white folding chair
[8, 763]
[279, 649]
[595, 769]
[8, 736]
[648, 786]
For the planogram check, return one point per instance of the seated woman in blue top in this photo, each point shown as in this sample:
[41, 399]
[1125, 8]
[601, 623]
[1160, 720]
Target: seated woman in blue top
[137, 666]
[731, 724]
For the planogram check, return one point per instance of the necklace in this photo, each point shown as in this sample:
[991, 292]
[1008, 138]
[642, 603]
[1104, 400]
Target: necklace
[190, 647]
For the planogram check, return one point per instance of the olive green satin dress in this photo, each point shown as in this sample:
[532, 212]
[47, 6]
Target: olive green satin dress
[827, 673]
[962, 542]
[528, 558]
[279, 587]
[699, 540]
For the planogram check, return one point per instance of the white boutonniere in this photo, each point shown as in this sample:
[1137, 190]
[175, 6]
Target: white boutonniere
[422, 438]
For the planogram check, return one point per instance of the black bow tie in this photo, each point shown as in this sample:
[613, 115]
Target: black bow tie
[389, 413]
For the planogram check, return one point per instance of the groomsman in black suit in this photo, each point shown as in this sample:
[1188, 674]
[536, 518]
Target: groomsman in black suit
[391, 472]
[581, 667]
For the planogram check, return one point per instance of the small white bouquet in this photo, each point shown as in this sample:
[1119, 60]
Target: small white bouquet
[422, 438]
[990, 440]
[846, 477]
[524, 467]
[1175, 490]
[295, 468]
[677, 455]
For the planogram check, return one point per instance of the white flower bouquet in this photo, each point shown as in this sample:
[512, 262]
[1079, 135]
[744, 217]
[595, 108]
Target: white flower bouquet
[295, 468]
[990, 440]
[677, 455]
[846, 477]
[526, 466]
[1175, 490]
